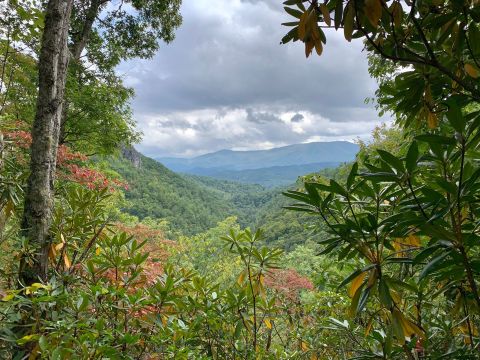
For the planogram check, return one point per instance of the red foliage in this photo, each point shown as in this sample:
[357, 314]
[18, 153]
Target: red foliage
[157, 246]
[21, 138]
[91, 178]
[288, 282]
[69, 164]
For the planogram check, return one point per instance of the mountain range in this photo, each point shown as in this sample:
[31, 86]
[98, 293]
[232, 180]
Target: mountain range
[270, 168]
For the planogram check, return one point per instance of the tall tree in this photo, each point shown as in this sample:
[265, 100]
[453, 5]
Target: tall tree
[82, 33]
[52, 72]
[104, 32]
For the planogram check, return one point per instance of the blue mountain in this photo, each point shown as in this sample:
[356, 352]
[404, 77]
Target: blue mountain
[277, 166]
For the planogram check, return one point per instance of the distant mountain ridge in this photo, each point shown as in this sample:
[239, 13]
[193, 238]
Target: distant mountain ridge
[269, 177]
[273, 167]
[297, 154]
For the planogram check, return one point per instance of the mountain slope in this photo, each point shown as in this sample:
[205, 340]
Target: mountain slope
[298, 154]
[155, 191]
[246, 199]
[193, 204]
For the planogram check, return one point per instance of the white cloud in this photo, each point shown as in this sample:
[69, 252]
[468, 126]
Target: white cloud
[225, 82]
[209, 130]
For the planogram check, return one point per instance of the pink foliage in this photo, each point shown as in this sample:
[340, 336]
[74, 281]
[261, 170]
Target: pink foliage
[69, 163]
[21, 138]
[288, 282]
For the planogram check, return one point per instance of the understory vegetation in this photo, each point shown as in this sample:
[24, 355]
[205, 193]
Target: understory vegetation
[106, 254]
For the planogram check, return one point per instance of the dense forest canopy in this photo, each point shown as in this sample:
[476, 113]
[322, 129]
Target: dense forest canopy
[107, 254]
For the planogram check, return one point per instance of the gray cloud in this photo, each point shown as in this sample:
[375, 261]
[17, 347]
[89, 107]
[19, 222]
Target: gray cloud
[260, 117]
[227, 60]
[205, 130]
[297, 117]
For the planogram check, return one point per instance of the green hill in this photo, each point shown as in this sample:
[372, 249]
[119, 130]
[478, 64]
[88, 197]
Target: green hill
[154, 191]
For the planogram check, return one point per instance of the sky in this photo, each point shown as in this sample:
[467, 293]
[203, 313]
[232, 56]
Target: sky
[225, 82]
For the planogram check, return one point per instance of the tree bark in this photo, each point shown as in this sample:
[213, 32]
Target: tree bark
[39, 196]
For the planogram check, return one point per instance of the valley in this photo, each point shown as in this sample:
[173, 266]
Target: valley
[191, 204]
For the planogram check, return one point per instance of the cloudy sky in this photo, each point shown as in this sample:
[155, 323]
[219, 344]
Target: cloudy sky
[226, 83]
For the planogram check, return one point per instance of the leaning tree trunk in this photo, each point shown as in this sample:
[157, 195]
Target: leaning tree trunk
[52, 69]
[78, 44]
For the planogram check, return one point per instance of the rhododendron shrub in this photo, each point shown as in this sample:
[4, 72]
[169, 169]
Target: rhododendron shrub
[111, 301]
[116, 292]
[71, 165]
[288, 282]
[156, 246]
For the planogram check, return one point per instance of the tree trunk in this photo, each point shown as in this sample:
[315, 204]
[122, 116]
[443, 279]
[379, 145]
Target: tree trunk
[76, 48]
[52, 69]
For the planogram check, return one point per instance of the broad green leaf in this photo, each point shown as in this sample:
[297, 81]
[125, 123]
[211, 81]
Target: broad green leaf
[391, 160]
[412, 157]
[326, 14]
[338, 13]
[294, 12]
[454, 115]
[434, 265]
[337, 188]
[436, 139]
[348, 21]
[363, 299]
[384, 293]
[352, 174]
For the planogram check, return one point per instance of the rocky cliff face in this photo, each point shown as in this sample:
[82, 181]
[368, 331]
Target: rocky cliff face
[132, 155]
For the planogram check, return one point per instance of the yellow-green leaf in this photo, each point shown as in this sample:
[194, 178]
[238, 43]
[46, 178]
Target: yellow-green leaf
[397, 13]
[326, 14]
[66, 261]
[373, 11]
[318, 47]
[472, 71]
[302, 25]
[348, 22]
[369, 327]
[356, 283]
[8, 297]
[309, 45]
[413, 240]
[241, 278]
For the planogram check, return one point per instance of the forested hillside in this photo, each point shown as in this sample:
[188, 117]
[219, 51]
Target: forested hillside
[192, 204]
[156, 192]
[268, 177]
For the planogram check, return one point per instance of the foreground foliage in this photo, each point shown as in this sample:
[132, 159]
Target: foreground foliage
[407, 213]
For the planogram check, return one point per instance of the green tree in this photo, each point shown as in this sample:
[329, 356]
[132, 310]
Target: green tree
[408, 213]
[104, 33]
[68, 32]
[52, 73]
